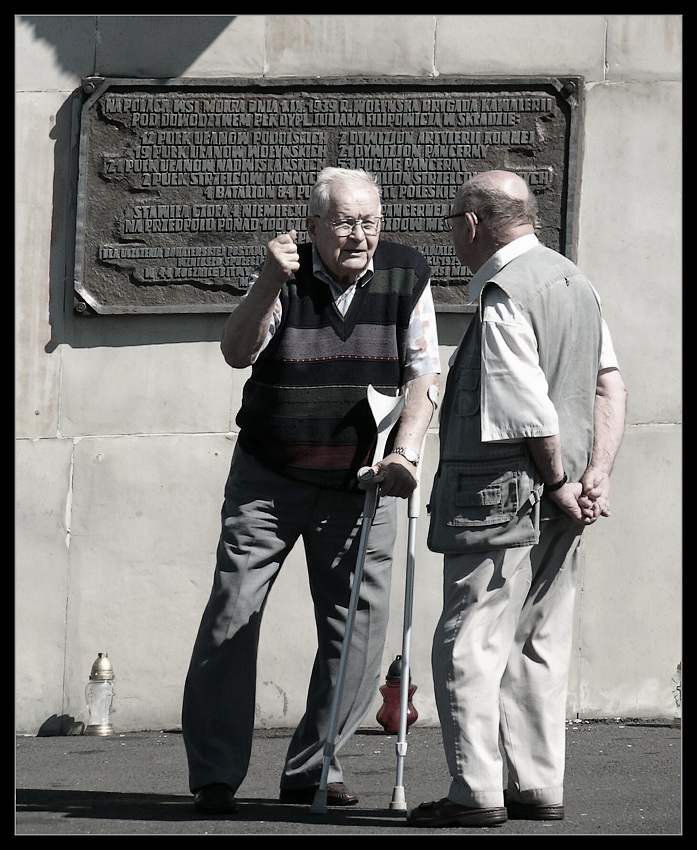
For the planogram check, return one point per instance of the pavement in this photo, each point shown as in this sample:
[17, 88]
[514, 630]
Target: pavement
[622, 778]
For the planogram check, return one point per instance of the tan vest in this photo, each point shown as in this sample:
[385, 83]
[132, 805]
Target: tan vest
[487, 495]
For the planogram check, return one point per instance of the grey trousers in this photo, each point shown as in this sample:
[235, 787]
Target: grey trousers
[501, 655]
[263, 516]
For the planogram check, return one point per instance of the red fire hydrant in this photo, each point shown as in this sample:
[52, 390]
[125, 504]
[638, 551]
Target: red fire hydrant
[388, 715]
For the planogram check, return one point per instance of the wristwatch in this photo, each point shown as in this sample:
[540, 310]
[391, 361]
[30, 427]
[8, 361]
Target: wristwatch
[408, 454]
[552, 488]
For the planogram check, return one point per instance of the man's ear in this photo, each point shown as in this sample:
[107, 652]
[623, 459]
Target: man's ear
[311, 225]
[472, 221]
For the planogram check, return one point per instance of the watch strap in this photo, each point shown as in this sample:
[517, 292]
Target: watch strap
[550, 488]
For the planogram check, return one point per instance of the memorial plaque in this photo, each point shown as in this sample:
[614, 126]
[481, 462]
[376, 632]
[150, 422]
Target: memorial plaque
[183, 182]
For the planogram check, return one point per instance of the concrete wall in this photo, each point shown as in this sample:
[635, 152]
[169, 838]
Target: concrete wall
[124, 425]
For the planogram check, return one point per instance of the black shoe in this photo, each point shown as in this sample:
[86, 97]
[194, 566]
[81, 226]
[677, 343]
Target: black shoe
[337, 795]
[215, 799]
[533, 811]
[446, 813]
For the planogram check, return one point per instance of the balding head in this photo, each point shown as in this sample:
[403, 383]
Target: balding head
[500, 208]
[505, 182]
[503, 201]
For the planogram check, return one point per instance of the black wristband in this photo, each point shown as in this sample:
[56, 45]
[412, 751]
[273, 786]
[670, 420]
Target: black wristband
[550, 488]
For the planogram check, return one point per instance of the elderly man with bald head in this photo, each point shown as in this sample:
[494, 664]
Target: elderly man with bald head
[531, 422]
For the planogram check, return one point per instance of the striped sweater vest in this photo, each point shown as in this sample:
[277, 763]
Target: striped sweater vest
[304, 410]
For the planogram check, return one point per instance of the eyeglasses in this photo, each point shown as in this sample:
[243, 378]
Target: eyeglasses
[447, 223]
[346, 226]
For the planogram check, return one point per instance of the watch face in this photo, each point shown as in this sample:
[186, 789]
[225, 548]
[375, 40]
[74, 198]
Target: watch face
[408, 454]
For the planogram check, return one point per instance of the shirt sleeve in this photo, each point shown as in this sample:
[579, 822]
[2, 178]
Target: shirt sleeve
[423, 357]
[608, 358]
[275, 316]
[515, 401]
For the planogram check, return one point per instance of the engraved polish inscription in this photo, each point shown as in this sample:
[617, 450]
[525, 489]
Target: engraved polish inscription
[180, 190]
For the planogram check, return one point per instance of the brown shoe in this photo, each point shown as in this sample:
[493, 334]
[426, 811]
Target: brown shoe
[533, 811]
[446, 813]
[215, 799]
[337, 795]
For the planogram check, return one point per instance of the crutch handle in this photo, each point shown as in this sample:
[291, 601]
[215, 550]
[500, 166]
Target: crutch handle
[368, 479]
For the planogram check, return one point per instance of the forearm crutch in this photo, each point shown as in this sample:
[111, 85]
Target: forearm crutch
[386, 411]
[398, 797]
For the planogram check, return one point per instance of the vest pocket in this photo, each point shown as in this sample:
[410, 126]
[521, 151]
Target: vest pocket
[478, 500]
[466, 397]
[478, 505]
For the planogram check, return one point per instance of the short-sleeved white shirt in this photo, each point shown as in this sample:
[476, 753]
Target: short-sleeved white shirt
[515, 401]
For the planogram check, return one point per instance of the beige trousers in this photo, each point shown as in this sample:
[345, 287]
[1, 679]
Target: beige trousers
[501, 654]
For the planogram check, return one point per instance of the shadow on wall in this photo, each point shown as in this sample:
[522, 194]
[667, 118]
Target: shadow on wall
[129, 36]
[85, 331]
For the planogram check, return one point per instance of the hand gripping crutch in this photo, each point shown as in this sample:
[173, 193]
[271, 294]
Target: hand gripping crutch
[398, 798]
[386, 411]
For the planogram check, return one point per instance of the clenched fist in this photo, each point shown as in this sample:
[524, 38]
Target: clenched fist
[282, 258]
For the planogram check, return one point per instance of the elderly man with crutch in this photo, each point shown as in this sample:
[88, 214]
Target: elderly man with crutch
[321, 322]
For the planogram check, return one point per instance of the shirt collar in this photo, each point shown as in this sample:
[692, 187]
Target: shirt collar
[497, 261]
[319, 271]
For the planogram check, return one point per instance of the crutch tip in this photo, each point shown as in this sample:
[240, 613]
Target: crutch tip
[319, 804]
[398, 802]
